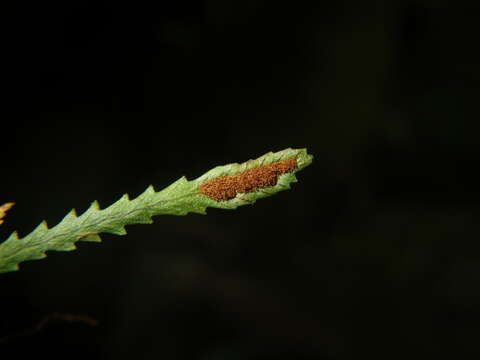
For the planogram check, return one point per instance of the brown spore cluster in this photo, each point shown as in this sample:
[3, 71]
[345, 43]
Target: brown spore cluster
[227, 187]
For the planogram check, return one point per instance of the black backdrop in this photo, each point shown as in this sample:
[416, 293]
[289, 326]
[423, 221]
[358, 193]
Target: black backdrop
[375, 252]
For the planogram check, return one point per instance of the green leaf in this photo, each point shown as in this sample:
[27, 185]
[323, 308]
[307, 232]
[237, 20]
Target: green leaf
[277, 170]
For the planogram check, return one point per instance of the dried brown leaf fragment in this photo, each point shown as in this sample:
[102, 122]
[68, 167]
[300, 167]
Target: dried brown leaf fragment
[3, 210]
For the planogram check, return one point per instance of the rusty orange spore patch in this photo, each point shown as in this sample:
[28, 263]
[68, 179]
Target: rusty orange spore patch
[227, 187]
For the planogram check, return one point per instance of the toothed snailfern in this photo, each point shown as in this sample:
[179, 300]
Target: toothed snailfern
[225, 187]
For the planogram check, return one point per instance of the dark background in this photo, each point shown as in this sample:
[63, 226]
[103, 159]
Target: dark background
[374, 252]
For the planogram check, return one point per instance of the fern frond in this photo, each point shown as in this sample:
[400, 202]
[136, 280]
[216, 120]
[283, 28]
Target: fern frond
[225, 187]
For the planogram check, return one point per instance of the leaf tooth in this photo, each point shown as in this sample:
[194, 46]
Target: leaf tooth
[92, 237]
[67, 246]
[118, 231]
[174, 186]
[149, 191]
[123, 198]
[140, 219]
[10, 267]
[39, 230]
[67, 221]
[93, 208]
[287, 179]
[113, 229]
[13, 236]
[202, 210]
[42, 226]
[70, 216]
[120, 203]
[11, 242]
[117, 206]
[37, 256]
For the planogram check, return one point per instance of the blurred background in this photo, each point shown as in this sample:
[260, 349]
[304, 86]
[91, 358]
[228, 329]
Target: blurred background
[374, 252]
